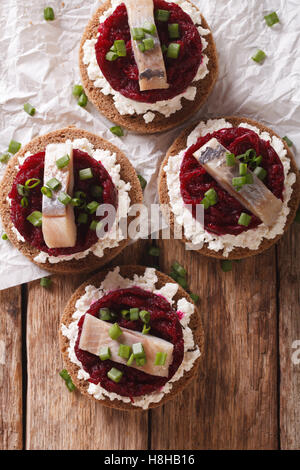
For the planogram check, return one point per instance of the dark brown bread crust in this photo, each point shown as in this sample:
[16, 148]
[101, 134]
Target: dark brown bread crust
[236, 253]
[136, 122]
[127, 173]
[129, 271]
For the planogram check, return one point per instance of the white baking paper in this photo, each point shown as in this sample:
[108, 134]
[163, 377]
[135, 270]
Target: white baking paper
[39, 65]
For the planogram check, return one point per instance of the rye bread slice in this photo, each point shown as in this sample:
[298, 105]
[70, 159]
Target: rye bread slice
[127, 173]
[237, 253]
[128, 272]
[136, 122]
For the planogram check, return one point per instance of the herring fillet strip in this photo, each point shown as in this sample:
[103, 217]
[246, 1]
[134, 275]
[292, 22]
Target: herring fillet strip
[58, 221]
[95, 335]
[256, 197]
[151, 65]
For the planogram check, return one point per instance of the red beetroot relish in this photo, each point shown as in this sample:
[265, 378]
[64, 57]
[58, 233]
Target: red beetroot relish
[122, 74]
[164, 324]
[223, 218]
[33, 167]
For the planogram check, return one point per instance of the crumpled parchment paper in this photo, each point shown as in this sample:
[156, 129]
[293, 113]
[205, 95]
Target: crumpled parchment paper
[39, 65]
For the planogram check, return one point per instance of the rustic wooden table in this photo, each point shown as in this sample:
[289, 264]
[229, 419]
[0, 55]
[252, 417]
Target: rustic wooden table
[248, 390]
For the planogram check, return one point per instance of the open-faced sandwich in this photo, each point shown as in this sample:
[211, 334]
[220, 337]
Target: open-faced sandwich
[242, 175]
[148, 65]
[131, 338]
[52, 196]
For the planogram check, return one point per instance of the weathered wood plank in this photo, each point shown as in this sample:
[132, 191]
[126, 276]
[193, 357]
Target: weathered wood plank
[233, 405]
[57, 419]
[10, 369]
[289, 338]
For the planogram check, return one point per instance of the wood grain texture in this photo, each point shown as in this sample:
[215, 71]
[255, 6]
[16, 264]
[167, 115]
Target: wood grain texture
[289, 334]
[56, 418]
[234, 403]
[10, 369]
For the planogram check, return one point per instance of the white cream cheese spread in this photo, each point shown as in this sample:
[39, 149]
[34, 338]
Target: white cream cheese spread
[147, 281]
[194, 232]
[127, 106]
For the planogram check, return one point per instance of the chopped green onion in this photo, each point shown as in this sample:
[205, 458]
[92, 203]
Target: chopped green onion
[164, 48]
[4, 157]
[154, 251]
[259, 56]
[173, 29]
[63, 162]
[82, 101]
[64, 374]
[29, 109]
[249, 178]
[115, 375]
[125, 314]
[243, 169]
[249, 155]
[94, 224]
[49, 14]
[205, 202]
[148, 43]
[230, 159]
[226, 265]
[120, 47]
[162, 15]
[138, 351]
[115, 331]
[138, 34]
[143, 182]
[46, 282]
[288, 141]
[75, 202]
[64, 198]
[92, 207]
[134, 314]
[179, 269]
[130, 360]
[32, 183]
[14, 147]
[24, 202]
[80, 195]
[86, 174]
[257, 160]
[70, 386]
[244, 219]
[97, 191]
[35, 218]
[272, 19]
[46, 192]
[22, 191]
[146, 329]
[260, 173]
[150, 28]
[111, 56]
[117, 130]
[173, 50]
[4, 236]
[144, 316]
[212, 196]
[182, 282]
[104, 353]
[160, 359]
[105, 314]
[140, 361]
[77, 90]
[239, 181]
[82, 218]
[54, 184]
[141, 47]
[124, 351]
[195, 298]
